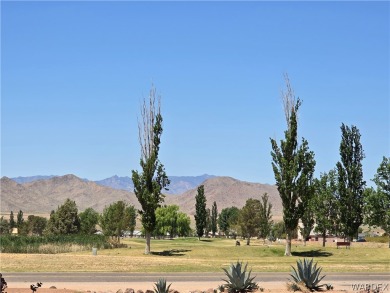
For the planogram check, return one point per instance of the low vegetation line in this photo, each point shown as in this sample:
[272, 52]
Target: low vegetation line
[51, 244]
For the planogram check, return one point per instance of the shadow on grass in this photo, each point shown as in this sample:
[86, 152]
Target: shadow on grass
[312, 253]
[206, 240]
[172, 252]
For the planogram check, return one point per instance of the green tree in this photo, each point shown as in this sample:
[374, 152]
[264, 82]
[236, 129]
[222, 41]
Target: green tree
[166, 220]
[308, 221]
[350, 181]
[228, 219]
[307, 197]
[131, 214]
[214, 219]
[12, 223]
[149, 183]
[88, 221]
[249, 219]
[382, 176]
[65, 220]
[170, 220]
[4, 226]
[377, 202]
[265, 217]
[19, 219]
[116, 218]
[183, 225]
[293, 166]
[200, 211]
[278, 230]
[36, 225]
[326, 205]
[207, 228]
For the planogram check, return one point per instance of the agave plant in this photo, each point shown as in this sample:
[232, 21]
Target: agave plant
[307, 274]
[161, 286]
[239, 280]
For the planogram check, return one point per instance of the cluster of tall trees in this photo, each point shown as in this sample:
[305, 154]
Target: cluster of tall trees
[34, 224]
[253, 220]
[338, 202]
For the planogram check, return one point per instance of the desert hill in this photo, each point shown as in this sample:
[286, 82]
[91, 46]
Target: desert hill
[227, 192]
[42, 196]
[46, 195]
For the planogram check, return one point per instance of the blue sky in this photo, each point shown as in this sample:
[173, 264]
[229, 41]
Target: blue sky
[73, 75]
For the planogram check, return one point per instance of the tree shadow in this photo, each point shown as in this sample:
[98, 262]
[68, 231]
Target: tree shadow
[312, 253]
[206, 240]
[172, 252]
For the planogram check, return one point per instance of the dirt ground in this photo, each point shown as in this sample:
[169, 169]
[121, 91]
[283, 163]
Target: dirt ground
[183, 287]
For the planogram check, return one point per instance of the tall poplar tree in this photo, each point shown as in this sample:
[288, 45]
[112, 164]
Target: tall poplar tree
[214, 219]
[350, 181]
[12, 222]
[19, 219]
[293, 166]
[207, 228]
[200, 211]
[152, 180]
[265, 217]
[308, 201]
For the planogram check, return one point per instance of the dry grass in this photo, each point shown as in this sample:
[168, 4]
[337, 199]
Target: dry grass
[191, 255]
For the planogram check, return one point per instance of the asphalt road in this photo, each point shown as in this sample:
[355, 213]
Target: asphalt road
[346, 278]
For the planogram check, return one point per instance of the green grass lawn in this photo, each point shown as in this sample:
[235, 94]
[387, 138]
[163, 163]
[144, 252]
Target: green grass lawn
[207, 255]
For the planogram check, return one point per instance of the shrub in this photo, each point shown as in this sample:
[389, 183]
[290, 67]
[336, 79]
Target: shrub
[50, 244]
[307, 275]
[239, 280]
[161, 286]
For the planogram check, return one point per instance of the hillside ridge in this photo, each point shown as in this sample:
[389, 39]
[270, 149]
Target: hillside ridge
[43, 196]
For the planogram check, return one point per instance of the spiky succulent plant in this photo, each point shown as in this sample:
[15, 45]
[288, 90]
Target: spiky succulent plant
[161, 286]
[308, 274]
[239, 280]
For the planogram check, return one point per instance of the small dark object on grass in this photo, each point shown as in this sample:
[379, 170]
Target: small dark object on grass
[35, 287]
[237, 243]
[3, 284]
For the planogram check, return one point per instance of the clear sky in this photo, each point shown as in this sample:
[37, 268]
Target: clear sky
[73, 75]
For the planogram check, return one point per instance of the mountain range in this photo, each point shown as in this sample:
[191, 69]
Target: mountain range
[45, 195]
[178, 185]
